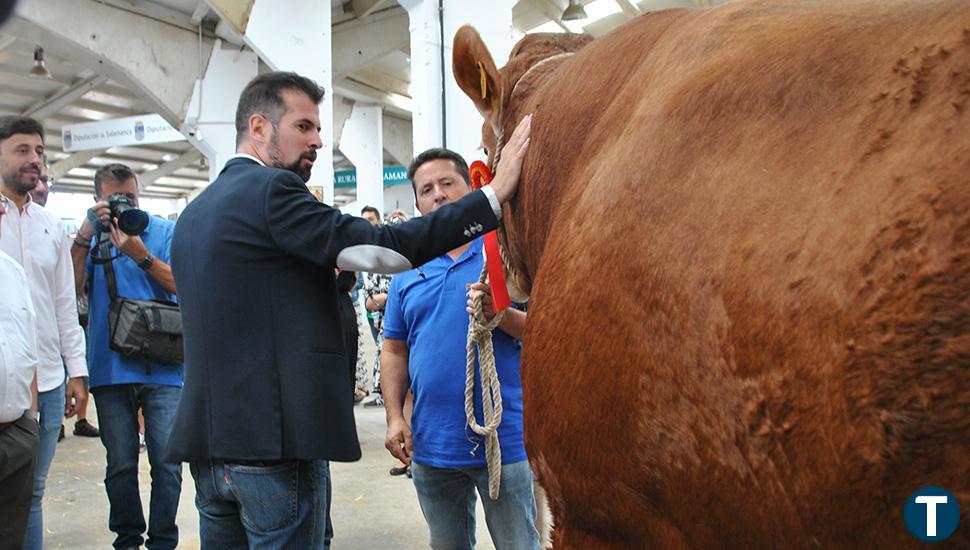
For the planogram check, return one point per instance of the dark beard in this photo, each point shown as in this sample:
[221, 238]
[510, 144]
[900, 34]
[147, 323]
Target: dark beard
[18, 185]
[296, 167]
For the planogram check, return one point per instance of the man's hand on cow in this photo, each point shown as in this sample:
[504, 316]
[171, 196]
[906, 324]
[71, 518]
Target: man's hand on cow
[398, 440]
[485, 291]
[510, 164]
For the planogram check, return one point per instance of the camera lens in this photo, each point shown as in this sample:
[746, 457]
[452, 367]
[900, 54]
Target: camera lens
[131, 220]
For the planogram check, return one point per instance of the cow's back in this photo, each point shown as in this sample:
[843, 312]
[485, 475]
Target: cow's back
[752, 284]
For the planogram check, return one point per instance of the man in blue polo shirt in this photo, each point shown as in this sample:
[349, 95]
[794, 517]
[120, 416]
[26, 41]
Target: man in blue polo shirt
[121, 386]
[425, 326]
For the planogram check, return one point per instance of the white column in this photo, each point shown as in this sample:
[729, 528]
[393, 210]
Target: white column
[362, 142]
[398, 139]
[295, 35]
[210, 121]
[425, 73]
[462, 123]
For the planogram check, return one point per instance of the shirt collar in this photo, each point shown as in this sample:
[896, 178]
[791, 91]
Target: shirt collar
[8, 204]
[474, 250]
[250, 157]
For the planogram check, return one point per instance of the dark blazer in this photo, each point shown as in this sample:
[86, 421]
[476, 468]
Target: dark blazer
[265, 368]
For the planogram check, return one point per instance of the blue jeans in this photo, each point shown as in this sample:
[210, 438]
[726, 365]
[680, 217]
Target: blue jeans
[51, 407]
[447, 498]
[282, 505]
[118, 419]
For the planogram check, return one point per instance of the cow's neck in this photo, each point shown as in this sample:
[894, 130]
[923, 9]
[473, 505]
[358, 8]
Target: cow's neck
[522, 237]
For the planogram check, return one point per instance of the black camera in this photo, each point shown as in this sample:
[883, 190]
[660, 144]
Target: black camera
[131, 220]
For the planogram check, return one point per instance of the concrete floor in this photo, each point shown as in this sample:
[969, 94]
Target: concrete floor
[371, 509]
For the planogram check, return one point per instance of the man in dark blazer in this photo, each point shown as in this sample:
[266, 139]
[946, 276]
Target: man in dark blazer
[266, 401]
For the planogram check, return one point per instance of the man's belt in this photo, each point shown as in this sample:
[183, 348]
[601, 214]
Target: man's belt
[5, 425]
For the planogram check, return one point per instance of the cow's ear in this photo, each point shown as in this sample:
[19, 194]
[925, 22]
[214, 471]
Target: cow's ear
[476, 73]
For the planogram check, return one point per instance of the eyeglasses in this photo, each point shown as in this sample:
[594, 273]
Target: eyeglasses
[48, 180]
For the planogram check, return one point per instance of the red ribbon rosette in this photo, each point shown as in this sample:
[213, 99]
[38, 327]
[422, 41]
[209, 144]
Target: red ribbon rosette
[480, 176]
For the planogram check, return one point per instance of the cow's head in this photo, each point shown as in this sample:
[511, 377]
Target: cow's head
[503, 98]
[490, 89]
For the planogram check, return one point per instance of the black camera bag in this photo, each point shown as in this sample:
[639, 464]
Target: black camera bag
[146, 330]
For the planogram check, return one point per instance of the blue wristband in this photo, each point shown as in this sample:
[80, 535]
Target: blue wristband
[96, 223]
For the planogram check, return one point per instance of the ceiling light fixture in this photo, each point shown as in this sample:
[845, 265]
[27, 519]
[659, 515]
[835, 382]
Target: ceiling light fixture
[39, 70]
[574, 11]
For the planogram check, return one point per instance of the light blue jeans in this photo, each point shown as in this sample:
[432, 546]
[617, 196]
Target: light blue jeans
[447, 498]
[51, 407]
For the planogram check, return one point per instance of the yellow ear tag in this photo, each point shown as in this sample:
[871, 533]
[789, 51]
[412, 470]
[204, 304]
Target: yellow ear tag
[481, 72]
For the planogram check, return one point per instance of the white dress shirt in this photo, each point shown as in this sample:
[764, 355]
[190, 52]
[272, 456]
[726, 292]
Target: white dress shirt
[39, 242]
[18, 347]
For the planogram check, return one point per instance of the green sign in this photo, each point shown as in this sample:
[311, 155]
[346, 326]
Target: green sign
[393, 175]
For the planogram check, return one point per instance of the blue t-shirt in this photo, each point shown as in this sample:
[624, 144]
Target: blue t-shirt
[426, 307]
[105, 366]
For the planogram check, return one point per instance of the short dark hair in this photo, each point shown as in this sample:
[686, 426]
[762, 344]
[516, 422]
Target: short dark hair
[372, 210]
[115, 172]
[14, 124]
[435, 154]
[262, 95]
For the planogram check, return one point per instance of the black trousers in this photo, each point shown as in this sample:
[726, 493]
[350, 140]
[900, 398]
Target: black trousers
[18, 455]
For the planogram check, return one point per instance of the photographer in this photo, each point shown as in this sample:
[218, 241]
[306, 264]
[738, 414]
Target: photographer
[106, 249]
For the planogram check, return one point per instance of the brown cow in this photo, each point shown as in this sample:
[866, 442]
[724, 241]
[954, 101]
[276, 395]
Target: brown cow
[746, 236]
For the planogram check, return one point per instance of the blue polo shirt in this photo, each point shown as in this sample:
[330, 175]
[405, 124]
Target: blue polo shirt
[105, 366]
[426, 307]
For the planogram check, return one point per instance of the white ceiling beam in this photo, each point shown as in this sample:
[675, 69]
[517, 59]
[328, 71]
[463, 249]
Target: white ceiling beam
[170, 167]
[6, 42]
[342, 108]
[628, 7]
[359, 43]
[60, 168]
[393, 103]
[50, 105]
[160, 66]
[382, 81]
[398, 139]
[363, 8]
[201, 10]
[554, 13]
[152, 10]
[396, 130]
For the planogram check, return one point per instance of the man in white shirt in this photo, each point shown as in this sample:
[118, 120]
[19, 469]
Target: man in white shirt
[39, 242]
[39, 195]
[19, 431]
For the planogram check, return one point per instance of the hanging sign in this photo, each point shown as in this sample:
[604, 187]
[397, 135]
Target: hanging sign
[118, 132]
[393, 175]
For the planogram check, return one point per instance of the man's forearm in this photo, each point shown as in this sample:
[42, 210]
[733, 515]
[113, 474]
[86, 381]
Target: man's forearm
[394, 379]
[79, 257]
[162, 273]
[513, 323]
[33, 393]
